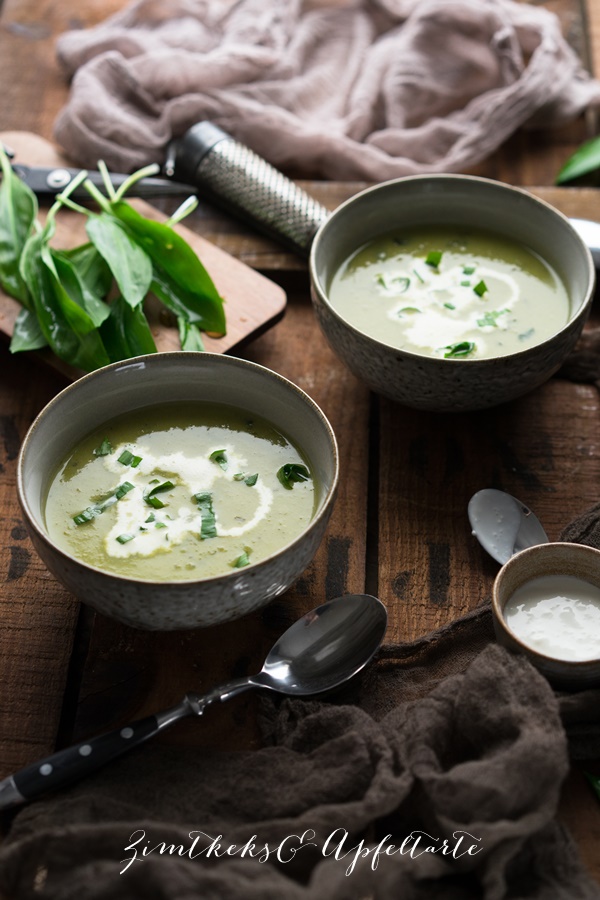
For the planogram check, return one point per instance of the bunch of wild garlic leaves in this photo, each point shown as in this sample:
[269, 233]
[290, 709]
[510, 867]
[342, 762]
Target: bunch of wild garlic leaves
[69, 299]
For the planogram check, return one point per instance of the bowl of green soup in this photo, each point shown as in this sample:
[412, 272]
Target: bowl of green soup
[178, 490]
[450, 292]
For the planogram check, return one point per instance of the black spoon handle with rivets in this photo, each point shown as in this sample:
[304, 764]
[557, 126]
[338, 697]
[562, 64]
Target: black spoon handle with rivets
[82, 759]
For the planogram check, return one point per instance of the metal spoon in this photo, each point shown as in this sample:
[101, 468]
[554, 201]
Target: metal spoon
[319, 652]
[503, 525]
[589, 232]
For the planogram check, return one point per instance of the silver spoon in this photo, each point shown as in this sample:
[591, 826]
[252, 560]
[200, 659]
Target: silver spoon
[319, 652]
[589, 232]
[503, 525]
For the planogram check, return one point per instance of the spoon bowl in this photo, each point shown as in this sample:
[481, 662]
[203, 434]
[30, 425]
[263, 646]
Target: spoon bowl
[503, 525]
[321, 651]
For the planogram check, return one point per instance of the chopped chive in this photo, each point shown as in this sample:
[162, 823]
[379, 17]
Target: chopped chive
[433, 258]
[420, 277]
[125, 538]
[220, 457]
[468, 270]
[154, 481]
[408, 309]
[142, 528]
[150, 518]
[92, 511]
[127, 458]
[104, 449]
[490, 317]
[239, 476]
[242, 560]
[397, 283]
[458, 350]
[291, 473]
[526, 334]
[480, 288]
[209, 527]
[251, 480]
[160, 525]
[465, 284]
[449, 305]
[152, 500]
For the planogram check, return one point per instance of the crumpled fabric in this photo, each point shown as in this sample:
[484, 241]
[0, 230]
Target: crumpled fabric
[482, 758]
[341, 89]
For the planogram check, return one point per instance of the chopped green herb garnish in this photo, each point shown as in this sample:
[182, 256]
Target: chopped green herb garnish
[489, 318]
[152, 500]
[142, 528]
[420, 277]
[220, 457]
[251, 480]
[480, 288]
[468, 270]
[398, 283]
[434, 258]
[449, 305]
[154, 480]
[125, 538]
[458, 350]
[209, 525]
[150, 518]
[291, 473]
[104, 449]
[92, 511]
[160, 525]
[526, 334]
[242, 560]
[127, 458]
[408, 309]
[465, 284]
[239, 476]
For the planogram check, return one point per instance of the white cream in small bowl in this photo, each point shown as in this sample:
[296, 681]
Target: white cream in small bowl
[546, 604]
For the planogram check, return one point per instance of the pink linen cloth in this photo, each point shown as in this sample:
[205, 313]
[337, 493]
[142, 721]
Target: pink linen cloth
[341, 89]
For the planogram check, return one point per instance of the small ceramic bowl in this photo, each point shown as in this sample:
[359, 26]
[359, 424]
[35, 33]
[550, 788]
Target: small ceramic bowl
[448, 385]
[548, 559]
[163, 378]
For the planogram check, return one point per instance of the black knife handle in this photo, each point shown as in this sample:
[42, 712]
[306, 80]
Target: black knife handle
[246, 185]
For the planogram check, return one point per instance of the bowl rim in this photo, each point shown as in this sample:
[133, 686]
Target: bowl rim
[163, 358]
[498, 611]
[322, 294]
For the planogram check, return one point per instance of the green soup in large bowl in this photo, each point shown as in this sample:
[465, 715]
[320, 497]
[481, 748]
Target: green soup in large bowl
[178, 490]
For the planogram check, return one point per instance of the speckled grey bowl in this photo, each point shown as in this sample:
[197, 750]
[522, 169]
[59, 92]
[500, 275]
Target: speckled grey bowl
[558, 558]
[164, 378]
[450, 385]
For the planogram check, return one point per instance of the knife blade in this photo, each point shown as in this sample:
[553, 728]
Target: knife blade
[47, 181]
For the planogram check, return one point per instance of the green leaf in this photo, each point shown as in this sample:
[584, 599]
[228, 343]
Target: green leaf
[127, 458]
[291, 474]
[219, 457]
[77, 289]
[87, 515]
[197, 309]
[480, 288]
[585, 160]
[399, 283]
[490, 317]
[126, 332]
[251, 480]
[129, 263]
[594, 780]
[209, 526]
[464, 348]
[27, 334]
[242, 560]
[18, 209]
[125, 538]
[434, 258]
[104, 449]
[189, 335]
[93, 270]
[152, 500]
[67, 327]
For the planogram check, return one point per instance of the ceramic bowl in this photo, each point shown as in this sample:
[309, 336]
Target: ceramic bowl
[163, 378]
[448, 385]
[547, 559]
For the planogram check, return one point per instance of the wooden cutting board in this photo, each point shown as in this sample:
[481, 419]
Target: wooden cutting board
[253, 302]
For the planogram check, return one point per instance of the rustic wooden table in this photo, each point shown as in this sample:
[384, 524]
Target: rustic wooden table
[399, 529]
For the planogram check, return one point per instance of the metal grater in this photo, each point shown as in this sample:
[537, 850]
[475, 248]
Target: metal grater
[246, 185]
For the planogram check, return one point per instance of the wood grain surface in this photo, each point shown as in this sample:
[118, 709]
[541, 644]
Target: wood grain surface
[399, 528]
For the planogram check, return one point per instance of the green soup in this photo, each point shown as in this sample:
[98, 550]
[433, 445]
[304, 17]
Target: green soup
[450, 293]
[180, 492]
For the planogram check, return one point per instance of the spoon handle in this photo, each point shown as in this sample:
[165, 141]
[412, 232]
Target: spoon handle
[66, 766]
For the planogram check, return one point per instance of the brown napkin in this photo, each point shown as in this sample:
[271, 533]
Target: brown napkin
[449, 738]
[345, 89]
